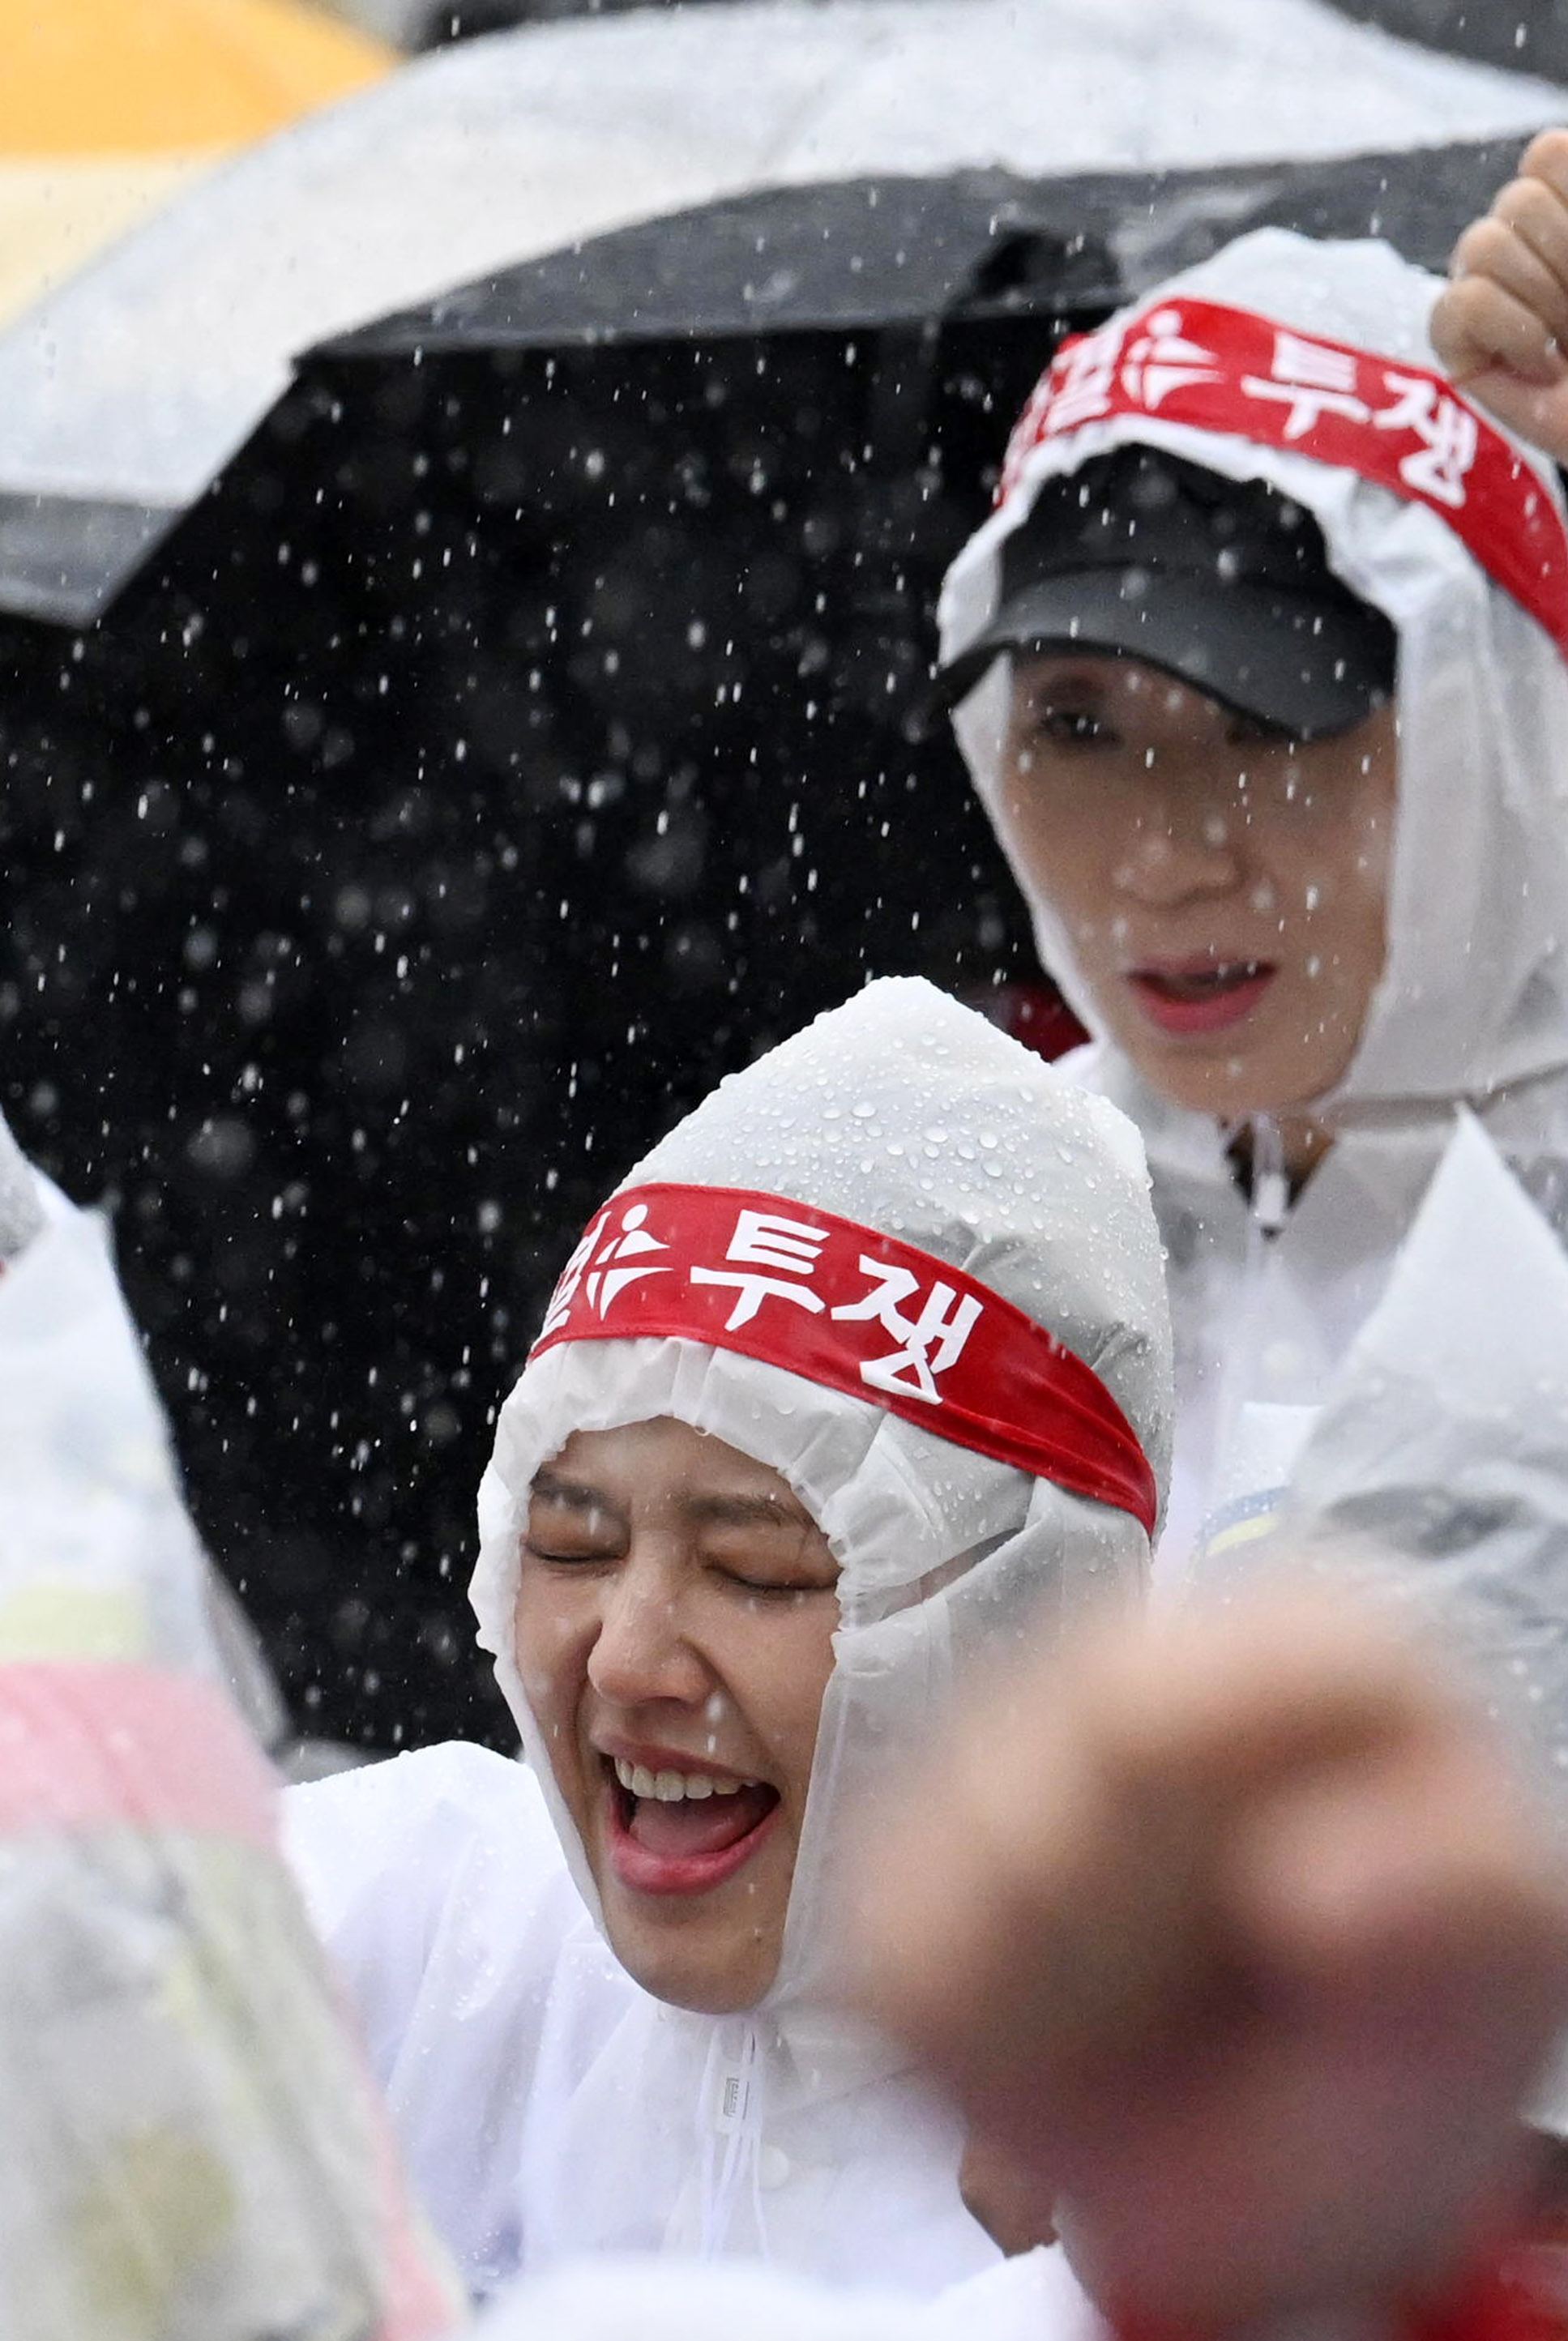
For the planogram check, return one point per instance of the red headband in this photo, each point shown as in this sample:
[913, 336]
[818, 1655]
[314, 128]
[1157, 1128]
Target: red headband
[1405, 429]
[859, 1312]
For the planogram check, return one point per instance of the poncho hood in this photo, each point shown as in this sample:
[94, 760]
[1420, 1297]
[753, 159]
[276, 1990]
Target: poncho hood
[913, 1118]
[1474, 996]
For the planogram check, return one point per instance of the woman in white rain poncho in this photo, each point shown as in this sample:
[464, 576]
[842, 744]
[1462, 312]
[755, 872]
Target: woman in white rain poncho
[1259, 671]
[729, 1580]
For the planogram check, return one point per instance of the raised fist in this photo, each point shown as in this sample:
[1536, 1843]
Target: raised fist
[1501, 325]
[1240, 1944]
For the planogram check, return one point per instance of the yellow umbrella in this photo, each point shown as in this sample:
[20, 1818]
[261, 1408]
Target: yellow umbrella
[105, 106]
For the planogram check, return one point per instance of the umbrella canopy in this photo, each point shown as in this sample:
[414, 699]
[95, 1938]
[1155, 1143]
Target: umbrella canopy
[106, 109]
[121, 397]
[523, 733]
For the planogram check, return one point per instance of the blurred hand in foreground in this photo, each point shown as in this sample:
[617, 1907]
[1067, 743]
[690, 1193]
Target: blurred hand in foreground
[1501, 325]
[1241, 1948]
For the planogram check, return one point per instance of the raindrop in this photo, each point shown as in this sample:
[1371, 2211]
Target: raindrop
[223, 1146]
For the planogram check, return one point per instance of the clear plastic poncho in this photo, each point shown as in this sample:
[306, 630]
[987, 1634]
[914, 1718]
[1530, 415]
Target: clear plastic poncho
[621, 2123]
[1436, 1474]
[190, 2145]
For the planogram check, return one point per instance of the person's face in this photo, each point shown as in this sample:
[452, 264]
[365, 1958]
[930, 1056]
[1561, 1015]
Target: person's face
[1223, 886]
[673, 1632]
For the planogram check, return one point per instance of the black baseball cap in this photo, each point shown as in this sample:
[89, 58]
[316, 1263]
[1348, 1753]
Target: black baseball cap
[1225, 584]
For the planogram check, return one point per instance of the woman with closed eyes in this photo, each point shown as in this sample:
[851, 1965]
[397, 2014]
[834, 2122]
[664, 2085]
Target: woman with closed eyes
[862, 1371]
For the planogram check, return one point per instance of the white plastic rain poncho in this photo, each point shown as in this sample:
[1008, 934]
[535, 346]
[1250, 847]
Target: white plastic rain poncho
[1439, 1461]
[1425, 508]
[1032, 2297]
[1436, 1470]
[190, 2148]
[547, 2105]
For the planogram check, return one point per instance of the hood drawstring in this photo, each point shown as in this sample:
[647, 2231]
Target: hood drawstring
[1271, 1189]
[1269, 1198]
[732, 2112]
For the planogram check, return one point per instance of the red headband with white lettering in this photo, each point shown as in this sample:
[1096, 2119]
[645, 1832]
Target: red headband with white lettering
[859, 1312]
[1399, 426]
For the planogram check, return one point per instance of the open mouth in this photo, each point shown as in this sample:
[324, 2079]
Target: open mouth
[1207, 997]
[683, 1832]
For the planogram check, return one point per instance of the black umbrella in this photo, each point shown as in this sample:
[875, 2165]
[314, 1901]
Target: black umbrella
[1525, 36]
[522, 733]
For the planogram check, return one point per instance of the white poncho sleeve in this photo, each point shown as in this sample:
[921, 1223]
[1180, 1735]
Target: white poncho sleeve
[439, 1886]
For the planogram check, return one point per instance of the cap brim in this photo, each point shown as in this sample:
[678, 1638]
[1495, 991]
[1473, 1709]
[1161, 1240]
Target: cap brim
[1292, 661]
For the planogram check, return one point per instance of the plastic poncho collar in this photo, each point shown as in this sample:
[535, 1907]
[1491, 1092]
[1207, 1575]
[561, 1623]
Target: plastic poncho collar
[1474, 996]
[911, 1115]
